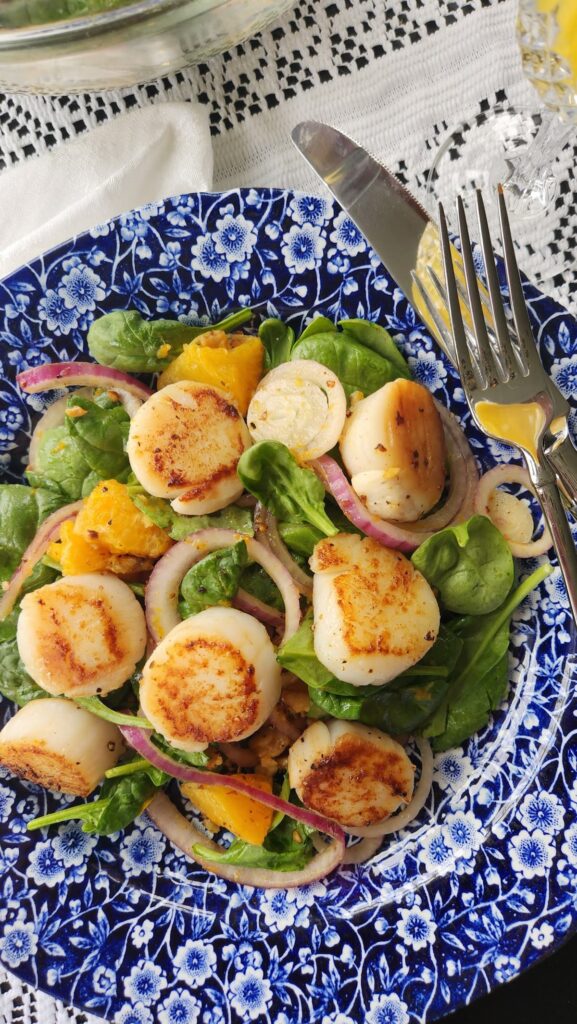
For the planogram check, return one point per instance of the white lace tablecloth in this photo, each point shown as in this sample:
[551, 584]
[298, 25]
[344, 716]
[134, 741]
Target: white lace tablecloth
[397, 75]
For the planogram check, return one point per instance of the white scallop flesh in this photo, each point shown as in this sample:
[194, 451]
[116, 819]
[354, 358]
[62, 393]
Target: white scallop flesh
[184, 444]
[353, 774]
[60, 746]
[393, 448]
[213, 679]
[375, 615]
[302, 404]
[81, 636]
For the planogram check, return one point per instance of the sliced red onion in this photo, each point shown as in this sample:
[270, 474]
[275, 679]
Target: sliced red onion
[388, 534]
[463, 477]
[266, 529]
[65, 375]
[161, 595]
[395, 822]
[183, 834]
[246, 602]
[239, 755]
[34, 552]
[511, 474]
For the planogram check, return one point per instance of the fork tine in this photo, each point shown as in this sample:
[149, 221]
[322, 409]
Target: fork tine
[523, 327]
[465, 365]
[487, 365]
[503, 337]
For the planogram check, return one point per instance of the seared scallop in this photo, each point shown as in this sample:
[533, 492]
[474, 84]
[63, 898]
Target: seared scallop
[82, 635]
[213, 679]
[393, 447]
[184, 444]
[56, 744]
[375, 615]
[352, 774]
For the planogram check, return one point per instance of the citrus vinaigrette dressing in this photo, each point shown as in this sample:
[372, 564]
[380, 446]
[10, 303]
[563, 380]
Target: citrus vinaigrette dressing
[519, 423]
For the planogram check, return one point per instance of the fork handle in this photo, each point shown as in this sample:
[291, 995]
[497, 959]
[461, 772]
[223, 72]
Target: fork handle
[563, 459]
[554, 513]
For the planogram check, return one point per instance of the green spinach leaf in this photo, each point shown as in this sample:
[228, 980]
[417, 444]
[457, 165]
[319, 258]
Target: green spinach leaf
[286, 847]
[258, 583]
[270, 472]
[300, 537]
[198, 759]
[298, 656]
[319, 325]
[379, 340]
[278, 339]
[100, 436]
[125, 341]
[15, 683]
[358, 368]
[214, 580]
[121, 800]
[479, 680]
[60, 465]
[178, 527]
[470, 564]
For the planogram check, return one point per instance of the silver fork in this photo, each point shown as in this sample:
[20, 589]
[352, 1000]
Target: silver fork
[517, 376]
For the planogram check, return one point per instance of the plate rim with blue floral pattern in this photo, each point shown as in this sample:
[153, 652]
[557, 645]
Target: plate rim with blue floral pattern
[479, 887]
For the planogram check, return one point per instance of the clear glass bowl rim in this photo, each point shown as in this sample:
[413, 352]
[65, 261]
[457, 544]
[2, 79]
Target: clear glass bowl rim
[90, 25]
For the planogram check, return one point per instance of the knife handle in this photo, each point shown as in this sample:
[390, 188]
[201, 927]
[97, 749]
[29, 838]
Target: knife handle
[563, 459]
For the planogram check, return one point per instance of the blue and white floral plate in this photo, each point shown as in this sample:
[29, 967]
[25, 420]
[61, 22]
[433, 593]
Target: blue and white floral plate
[476, 890]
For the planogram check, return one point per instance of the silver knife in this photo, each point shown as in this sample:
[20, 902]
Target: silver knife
[404, 236]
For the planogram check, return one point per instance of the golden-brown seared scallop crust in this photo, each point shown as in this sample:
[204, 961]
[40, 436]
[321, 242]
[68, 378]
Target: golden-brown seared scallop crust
[184, 444]
[375, 615]
[81, 635]
[213, 679]
[355, 775]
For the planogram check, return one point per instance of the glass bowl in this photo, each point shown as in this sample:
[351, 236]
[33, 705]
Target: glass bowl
[57, 46]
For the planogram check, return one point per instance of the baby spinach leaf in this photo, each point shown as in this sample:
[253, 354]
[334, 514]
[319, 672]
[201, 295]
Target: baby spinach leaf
[60, 465]
[300, 537]
[479, 680]
[126, 341]
[178, 527]
[470, 565]
[337, 706]
[22, 510]
[319, 325]
[214, 580]
[198, 759]
[289, 491]
[278, 339]
[298, 656]
[357, 367]
[286, 847]
[379, 340]
[97, 707]
[121, 800]
[15, 683]
[258, 583]
[100, 436]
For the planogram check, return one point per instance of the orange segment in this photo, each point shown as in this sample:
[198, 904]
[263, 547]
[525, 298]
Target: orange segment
[246, 818]
[234, 367]
[109, 517]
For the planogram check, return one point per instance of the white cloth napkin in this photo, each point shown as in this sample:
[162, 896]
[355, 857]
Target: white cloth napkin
[140, 157]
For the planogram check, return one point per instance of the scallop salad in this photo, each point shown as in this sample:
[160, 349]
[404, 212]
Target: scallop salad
[253, 600]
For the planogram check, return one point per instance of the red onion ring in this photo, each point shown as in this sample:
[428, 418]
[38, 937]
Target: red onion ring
[265, 527]
[400, 819]
[388, 534]
[161, 594]
[34, 552]
[245, 602]
[391, 534]
[183, 834]
[65, 375]
[511, 474]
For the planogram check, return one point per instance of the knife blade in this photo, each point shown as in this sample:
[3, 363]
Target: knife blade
[406, 239]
